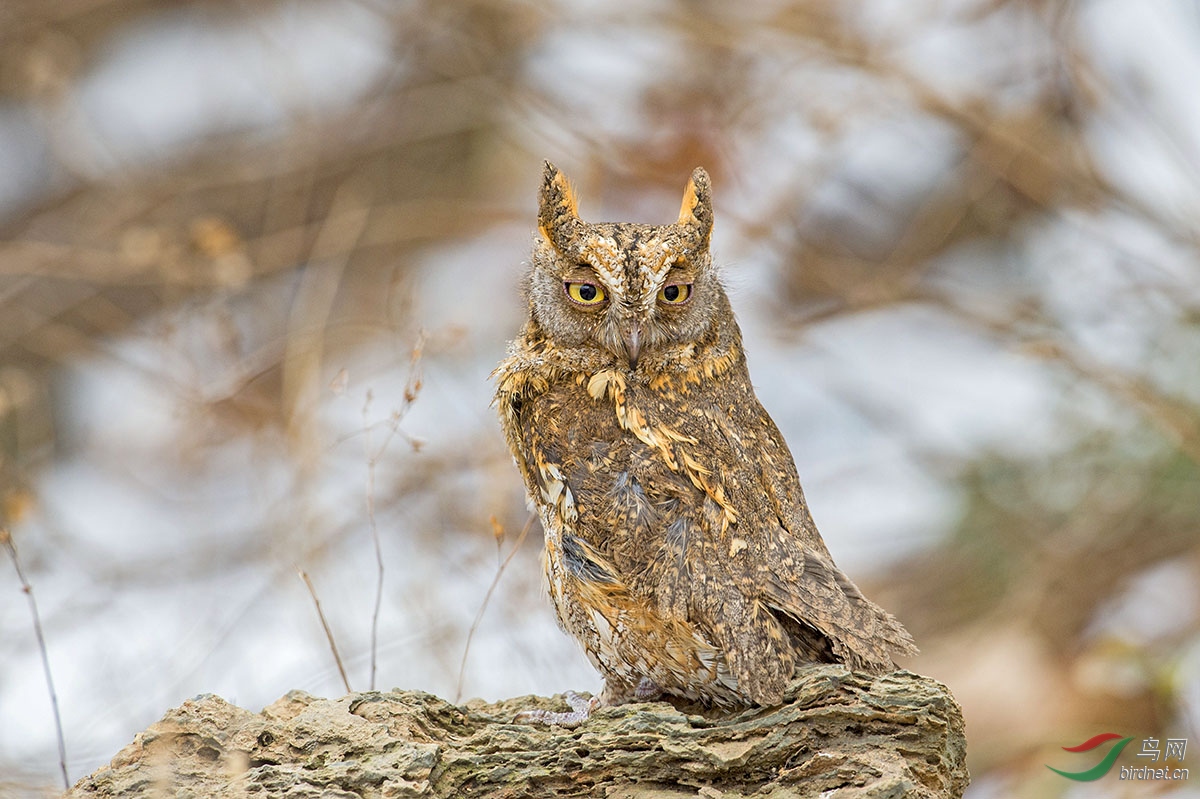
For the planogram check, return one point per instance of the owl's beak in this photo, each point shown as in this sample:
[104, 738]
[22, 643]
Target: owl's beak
[632, 338]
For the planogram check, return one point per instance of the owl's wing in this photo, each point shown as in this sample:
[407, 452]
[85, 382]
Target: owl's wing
[803, 583]
[555, 436]
[810, 591]
[745, 553]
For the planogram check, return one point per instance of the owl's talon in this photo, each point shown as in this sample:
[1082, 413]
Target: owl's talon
[581, 711]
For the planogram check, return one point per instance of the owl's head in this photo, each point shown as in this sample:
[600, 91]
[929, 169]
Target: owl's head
[623, 288]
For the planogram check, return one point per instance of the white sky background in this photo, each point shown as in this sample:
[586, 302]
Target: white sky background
[250, 635]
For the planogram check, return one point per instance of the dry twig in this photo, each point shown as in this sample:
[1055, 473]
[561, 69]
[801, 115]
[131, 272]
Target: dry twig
[312, 591]
[462, 666]
[412, 389]
[7, 540]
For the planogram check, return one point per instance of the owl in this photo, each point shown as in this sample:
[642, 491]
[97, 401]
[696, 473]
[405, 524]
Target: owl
[679, 549]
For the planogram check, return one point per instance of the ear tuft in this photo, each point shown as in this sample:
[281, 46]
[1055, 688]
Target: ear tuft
[696, 212]
[557, 208]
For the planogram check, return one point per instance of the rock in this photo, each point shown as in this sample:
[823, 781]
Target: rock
[838, 735]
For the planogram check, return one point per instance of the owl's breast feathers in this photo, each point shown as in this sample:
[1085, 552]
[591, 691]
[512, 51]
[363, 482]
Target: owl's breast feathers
[670, 493]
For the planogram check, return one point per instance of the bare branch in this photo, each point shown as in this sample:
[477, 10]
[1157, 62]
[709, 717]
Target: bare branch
[7, 540]
[312, 591]
[412, 390]
[462, 666]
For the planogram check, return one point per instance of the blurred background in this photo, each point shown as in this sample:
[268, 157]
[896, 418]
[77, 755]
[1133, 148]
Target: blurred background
[258, 259]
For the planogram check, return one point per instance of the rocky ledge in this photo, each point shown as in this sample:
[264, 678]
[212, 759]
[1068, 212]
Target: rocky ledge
[838, 735]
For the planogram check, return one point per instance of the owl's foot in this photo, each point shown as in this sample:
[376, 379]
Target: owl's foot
[646, 691]
[581, 711]
[621, 693]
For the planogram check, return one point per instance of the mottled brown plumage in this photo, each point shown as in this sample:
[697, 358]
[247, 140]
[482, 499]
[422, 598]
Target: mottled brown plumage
[679, 548]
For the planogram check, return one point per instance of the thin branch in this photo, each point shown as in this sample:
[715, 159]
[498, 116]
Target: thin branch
[7, 540]
[372, 460]
[462, 666]
[412, 389]
[312, 591]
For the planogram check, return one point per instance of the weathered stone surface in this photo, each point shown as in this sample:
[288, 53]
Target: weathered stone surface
[838, 735]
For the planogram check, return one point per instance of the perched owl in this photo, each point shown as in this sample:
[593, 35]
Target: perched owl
[679, 548]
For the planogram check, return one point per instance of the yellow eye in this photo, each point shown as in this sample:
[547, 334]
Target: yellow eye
[675, 294]
[585, 293]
